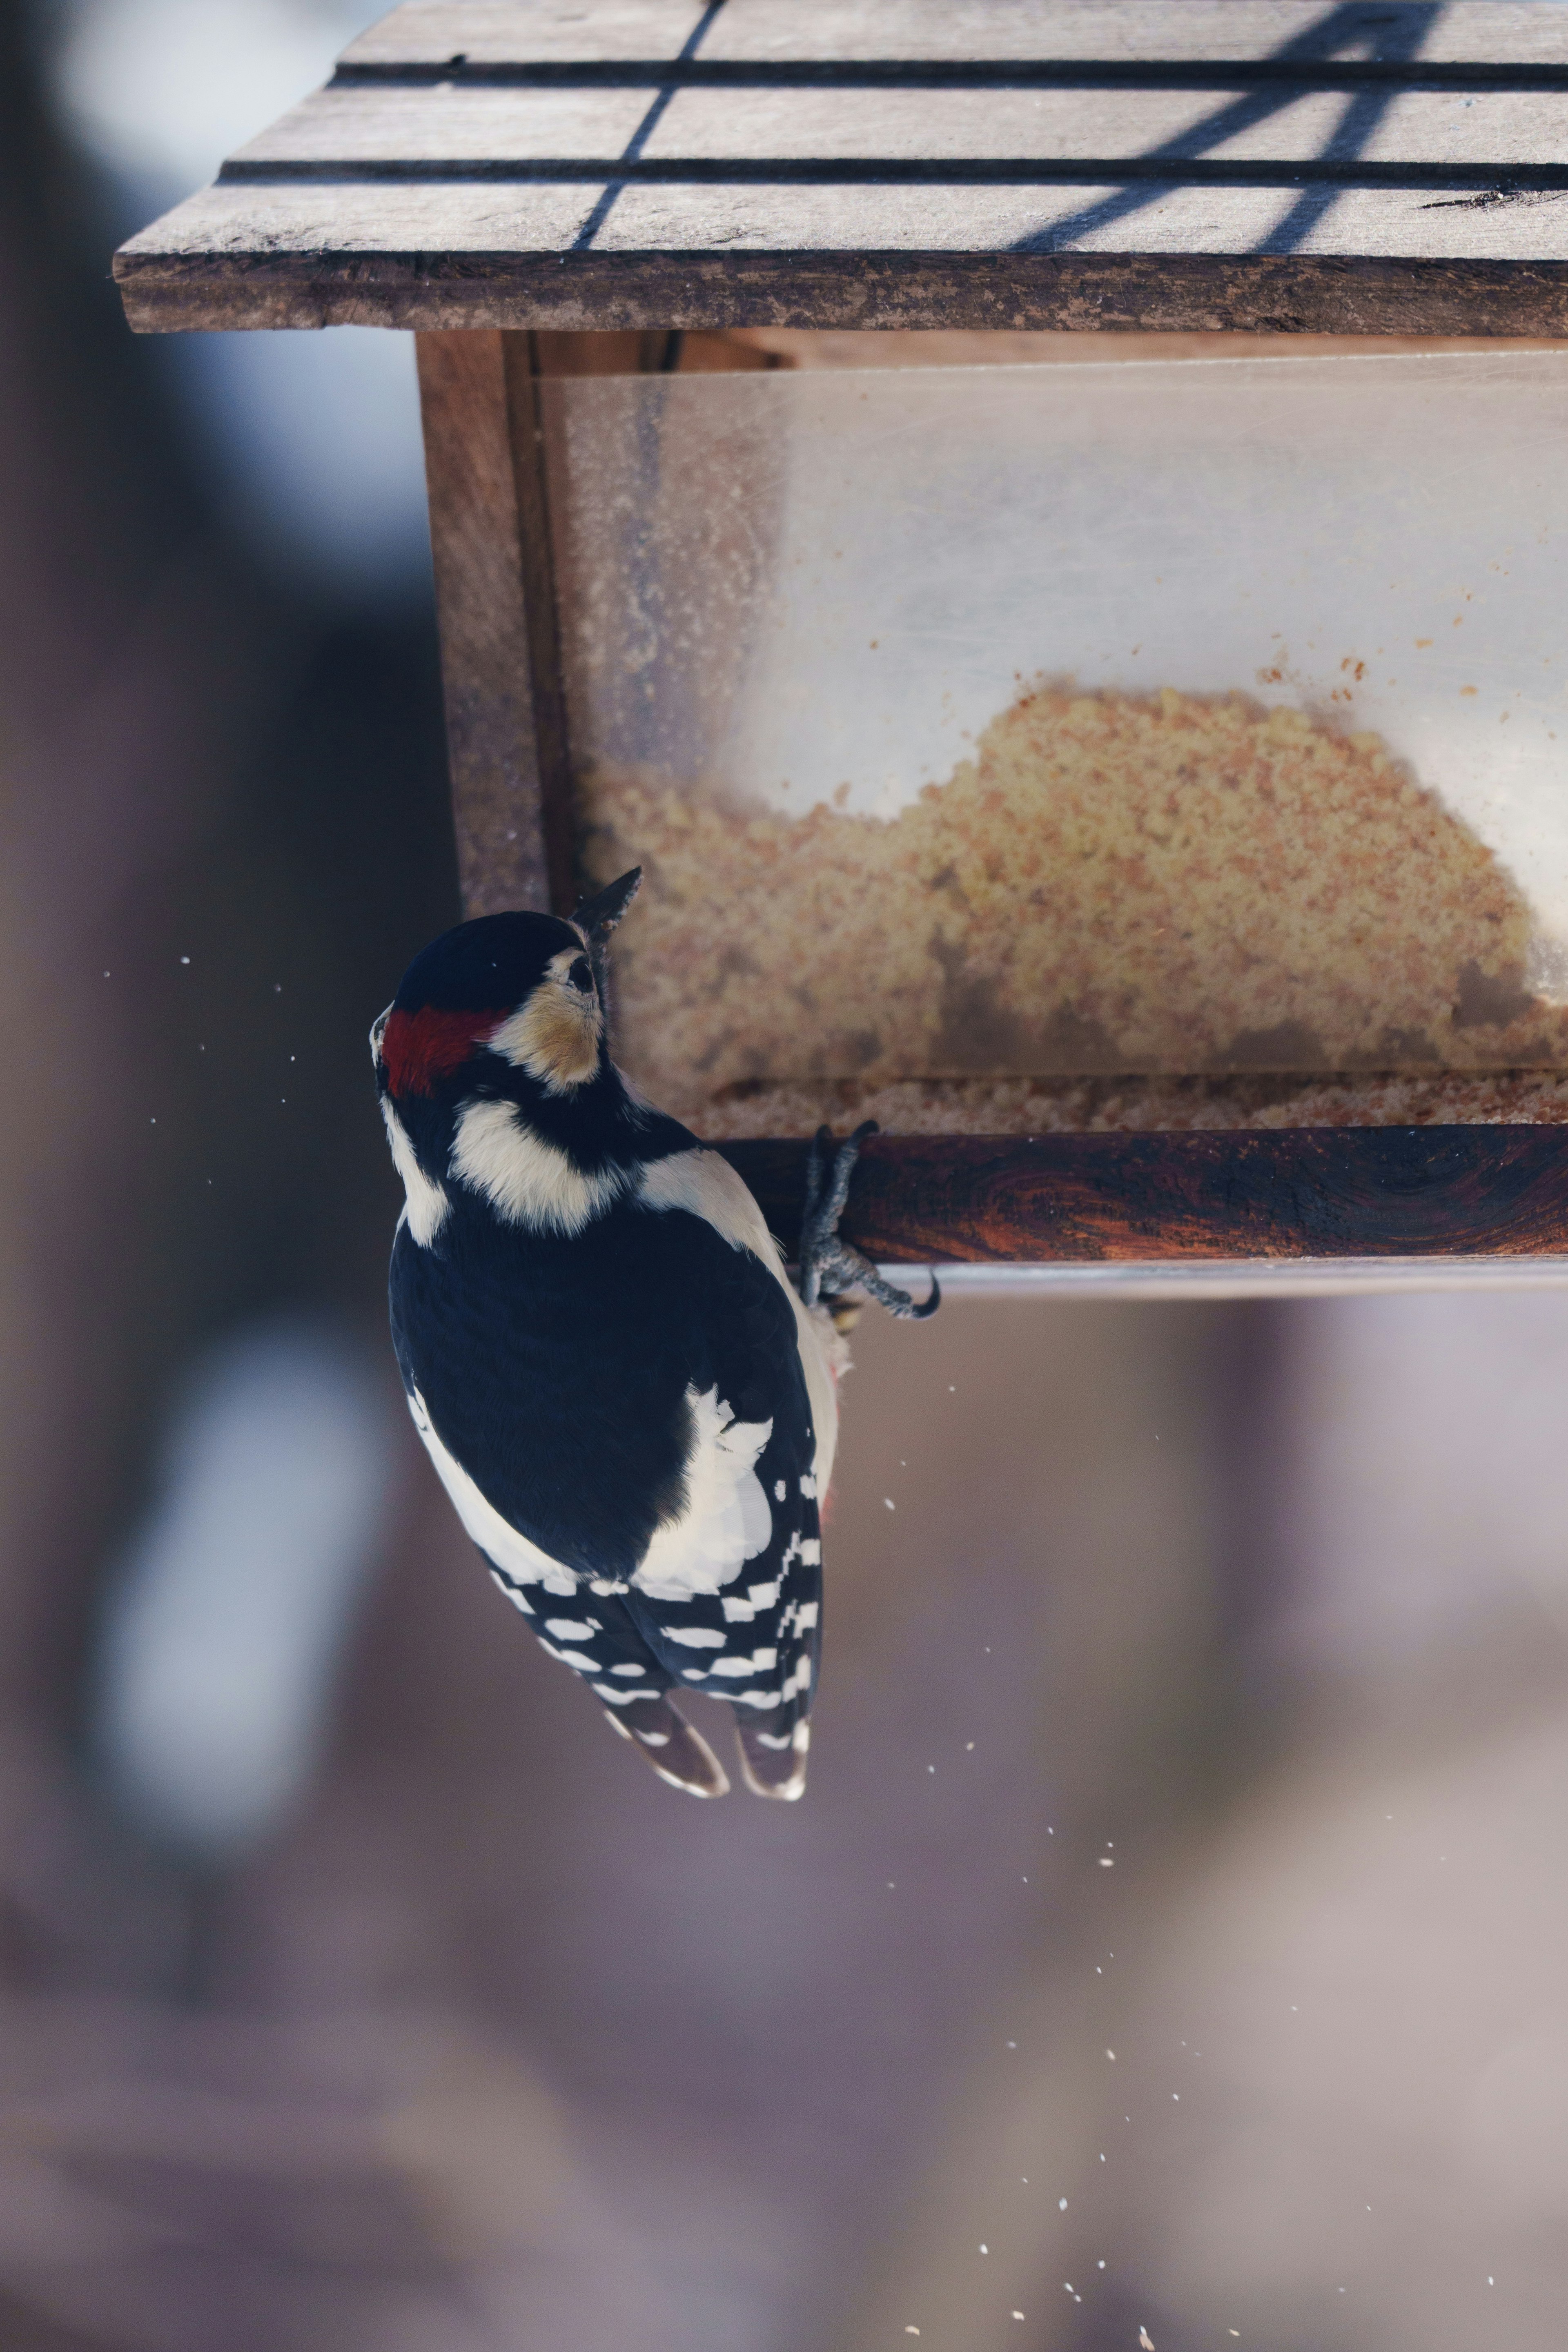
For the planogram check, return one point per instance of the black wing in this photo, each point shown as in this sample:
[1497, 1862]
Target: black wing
[630, 1403]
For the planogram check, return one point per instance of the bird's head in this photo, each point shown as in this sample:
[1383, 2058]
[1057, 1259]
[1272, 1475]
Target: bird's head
[508, 1003]
[498, 1028]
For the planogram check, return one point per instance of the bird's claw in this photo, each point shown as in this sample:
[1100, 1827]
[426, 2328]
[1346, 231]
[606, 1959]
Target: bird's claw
[827, 1264]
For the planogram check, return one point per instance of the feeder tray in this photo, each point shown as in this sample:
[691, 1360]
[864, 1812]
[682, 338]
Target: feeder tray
[640, 244]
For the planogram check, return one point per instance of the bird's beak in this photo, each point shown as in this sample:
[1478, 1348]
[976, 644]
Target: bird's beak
[596, 918]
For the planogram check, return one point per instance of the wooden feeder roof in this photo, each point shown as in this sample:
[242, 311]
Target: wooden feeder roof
[862, 163]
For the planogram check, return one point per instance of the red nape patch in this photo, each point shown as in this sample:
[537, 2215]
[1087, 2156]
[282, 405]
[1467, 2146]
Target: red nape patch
[417, 1049]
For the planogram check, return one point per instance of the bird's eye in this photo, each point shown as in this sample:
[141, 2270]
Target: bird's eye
[581, 976]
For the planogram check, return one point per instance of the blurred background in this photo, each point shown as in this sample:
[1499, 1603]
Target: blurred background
[1169, 1950]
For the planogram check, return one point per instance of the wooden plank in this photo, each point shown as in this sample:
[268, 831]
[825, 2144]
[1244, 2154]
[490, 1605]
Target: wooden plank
[438, 33]
[825, 208]
[1452, 1193]
[1153, 258]
[1141, 31]
[496, 604]
[1436, 135]
[496, 32]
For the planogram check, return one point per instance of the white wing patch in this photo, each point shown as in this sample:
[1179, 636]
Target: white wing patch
[704, 1185]
[499, 1540]
[727, 1519]
[526, 1179]
[427, 1205]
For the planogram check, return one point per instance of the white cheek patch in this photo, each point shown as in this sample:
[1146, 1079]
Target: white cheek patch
[526, 1179]
[427, 1205]
[554, 1035]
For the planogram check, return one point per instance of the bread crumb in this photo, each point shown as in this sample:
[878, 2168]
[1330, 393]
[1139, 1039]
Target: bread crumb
[1177, 888]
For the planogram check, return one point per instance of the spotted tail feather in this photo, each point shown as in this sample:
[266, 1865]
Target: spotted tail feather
[773, 1747]
[678, 1753]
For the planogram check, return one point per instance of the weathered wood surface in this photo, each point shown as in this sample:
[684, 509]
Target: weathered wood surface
[1162, 165]
[1273, 36]
[974, 137]
[1383, 1194]
[506, 727]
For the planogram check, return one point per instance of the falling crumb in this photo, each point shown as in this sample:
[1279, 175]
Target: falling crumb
[1018, 2315]
[1106, 1862]
[1110, 2053]
[889, 1502]
[1146, 2342]
[1061, 2204]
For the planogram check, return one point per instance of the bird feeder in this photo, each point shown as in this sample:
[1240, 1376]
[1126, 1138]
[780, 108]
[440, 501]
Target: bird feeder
[1142, 782]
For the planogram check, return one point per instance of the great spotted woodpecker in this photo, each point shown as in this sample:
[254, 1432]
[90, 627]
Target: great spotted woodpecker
[629, 1404]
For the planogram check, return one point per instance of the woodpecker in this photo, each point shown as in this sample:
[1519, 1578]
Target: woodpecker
[631, 1408]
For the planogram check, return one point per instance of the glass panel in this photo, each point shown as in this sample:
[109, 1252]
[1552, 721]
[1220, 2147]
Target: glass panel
[1172, 716]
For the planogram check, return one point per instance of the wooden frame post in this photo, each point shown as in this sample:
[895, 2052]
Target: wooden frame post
[495, 596]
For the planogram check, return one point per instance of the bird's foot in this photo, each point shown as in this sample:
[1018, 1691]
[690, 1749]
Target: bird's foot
[829, 1266]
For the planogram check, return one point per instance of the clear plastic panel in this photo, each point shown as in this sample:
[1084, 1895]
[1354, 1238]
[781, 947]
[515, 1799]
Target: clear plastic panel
[1186, 716]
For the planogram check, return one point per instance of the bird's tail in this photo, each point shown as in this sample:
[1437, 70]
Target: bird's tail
[774, 1747]
[678, 1754]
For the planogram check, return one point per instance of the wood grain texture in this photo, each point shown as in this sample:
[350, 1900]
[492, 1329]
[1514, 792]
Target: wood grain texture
[1385, 1193]
[436, 33]
[764, 133]
[495, 599]
[589, 205]
[630, 289]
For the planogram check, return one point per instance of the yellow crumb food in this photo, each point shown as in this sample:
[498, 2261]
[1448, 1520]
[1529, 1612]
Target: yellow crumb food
[1110, 884]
